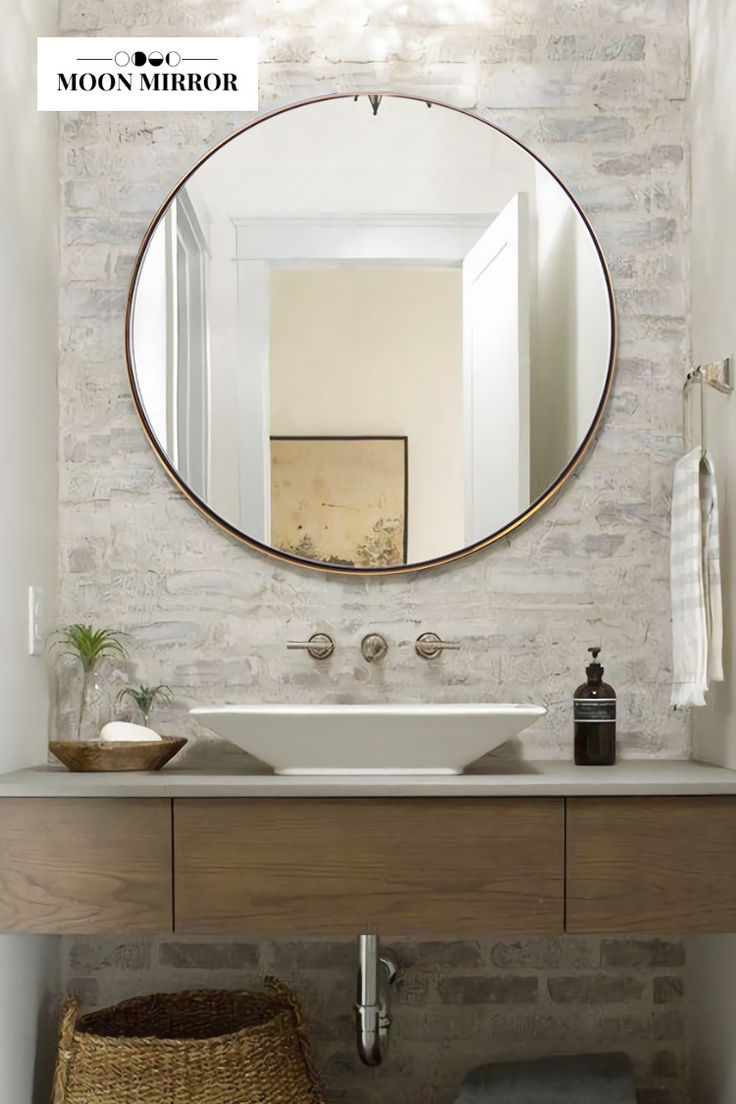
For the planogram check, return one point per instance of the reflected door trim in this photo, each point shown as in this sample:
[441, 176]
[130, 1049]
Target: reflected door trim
[427, 238]
[251, 540]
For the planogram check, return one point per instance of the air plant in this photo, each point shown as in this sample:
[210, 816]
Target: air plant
[145, 697]
[89, 646]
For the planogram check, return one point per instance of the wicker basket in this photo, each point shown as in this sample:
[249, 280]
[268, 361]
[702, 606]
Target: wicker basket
[200, 1047]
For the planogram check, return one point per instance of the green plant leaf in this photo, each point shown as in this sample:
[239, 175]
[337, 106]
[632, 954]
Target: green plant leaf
[145, 697]
[89, 645]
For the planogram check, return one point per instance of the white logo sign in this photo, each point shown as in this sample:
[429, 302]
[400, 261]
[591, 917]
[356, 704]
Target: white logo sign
[147, 74]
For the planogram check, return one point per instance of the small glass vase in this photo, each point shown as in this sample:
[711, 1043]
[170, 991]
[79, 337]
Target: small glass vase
[84, 703]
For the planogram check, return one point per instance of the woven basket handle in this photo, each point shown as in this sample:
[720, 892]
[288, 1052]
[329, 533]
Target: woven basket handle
[67, 1027]
[284, 995]
[277, 987]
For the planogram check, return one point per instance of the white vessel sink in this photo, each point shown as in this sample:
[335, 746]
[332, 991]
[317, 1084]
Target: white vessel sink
[369, 739]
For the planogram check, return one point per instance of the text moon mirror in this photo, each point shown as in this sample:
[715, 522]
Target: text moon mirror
[370, 333]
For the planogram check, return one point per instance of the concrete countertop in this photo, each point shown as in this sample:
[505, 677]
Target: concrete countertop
[518, 779]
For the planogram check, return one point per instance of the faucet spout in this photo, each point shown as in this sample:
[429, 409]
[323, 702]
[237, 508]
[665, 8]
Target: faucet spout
[376, 974]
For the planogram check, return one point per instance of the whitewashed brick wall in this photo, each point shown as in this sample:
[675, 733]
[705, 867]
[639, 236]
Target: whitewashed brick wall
[598, 88]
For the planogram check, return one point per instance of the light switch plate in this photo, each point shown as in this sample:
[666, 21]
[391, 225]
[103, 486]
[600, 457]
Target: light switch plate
[36, 620]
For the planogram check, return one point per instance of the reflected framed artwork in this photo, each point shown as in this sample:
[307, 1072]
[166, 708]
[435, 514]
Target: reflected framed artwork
[340, 500]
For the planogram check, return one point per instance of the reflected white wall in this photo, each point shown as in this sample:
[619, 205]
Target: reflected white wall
[553, 346]
[338, 153]
[360, 351]
[592, 330]
[150, 332]
[571, 333]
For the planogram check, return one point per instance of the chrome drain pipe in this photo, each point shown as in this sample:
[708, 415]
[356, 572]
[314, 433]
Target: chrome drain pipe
[376, 974]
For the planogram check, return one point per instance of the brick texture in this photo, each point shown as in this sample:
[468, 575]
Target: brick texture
[453, 1008]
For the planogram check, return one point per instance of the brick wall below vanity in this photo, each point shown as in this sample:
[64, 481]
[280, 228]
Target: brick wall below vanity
[459, 1003]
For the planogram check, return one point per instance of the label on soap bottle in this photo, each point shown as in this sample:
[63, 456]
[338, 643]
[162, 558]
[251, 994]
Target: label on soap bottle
[592, 710]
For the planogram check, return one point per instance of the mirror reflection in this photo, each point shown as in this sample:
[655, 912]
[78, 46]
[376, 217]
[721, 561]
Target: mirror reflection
[370, 339]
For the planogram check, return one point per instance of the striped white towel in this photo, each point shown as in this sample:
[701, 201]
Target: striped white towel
[695, 581]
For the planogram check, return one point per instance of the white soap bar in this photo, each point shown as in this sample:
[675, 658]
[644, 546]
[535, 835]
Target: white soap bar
[131, 733]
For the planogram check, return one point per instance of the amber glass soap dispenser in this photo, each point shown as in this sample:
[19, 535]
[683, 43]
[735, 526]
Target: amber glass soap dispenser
[594, 704]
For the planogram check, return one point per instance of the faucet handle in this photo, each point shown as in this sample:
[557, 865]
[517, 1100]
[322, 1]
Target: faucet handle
[429, 645]
[319, 645]
[374, 647]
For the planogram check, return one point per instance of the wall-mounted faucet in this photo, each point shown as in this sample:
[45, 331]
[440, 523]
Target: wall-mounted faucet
[374, 647]
[376, 975]
[429, 645]
[319, 645]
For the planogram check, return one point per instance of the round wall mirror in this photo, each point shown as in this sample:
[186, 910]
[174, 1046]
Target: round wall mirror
[370, 333]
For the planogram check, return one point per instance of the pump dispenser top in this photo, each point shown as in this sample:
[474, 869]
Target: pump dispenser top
[594, 669]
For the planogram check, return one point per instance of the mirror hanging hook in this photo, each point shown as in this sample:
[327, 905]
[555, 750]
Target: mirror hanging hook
[375, 101]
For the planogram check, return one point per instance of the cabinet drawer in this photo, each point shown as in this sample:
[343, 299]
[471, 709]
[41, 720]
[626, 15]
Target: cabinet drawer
[88, 865]
[651, 864]
[402, 865]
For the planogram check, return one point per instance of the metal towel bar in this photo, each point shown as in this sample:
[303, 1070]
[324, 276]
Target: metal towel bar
[719, 375]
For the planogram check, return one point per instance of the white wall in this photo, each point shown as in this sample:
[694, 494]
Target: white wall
[28, 431]
[713, 273]
[711, 1017]
[712, 961]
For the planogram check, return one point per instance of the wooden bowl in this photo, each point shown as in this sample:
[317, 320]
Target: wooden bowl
[108, 755]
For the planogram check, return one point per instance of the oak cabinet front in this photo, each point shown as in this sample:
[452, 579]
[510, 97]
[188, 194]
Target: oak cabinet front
[651, 864]
[405, 866]
[70, 865]
[441, 867]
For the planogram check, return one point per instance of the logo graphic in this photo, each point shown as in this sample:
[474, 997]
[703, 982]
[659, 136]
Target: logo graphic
[154, 58]
[147, 74]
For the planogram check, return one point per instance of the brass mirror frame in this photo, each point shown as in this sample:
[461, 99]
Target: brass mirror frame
[336, 569]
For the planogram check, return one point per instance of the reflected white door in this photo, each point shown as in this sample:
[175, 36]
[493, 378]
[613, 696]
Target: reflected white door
[254, 397]
[496, 308]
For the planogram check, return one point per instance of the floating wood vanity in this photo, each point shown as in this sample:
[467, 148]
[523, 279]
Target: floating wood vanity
[641, 848]
[403, 865]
